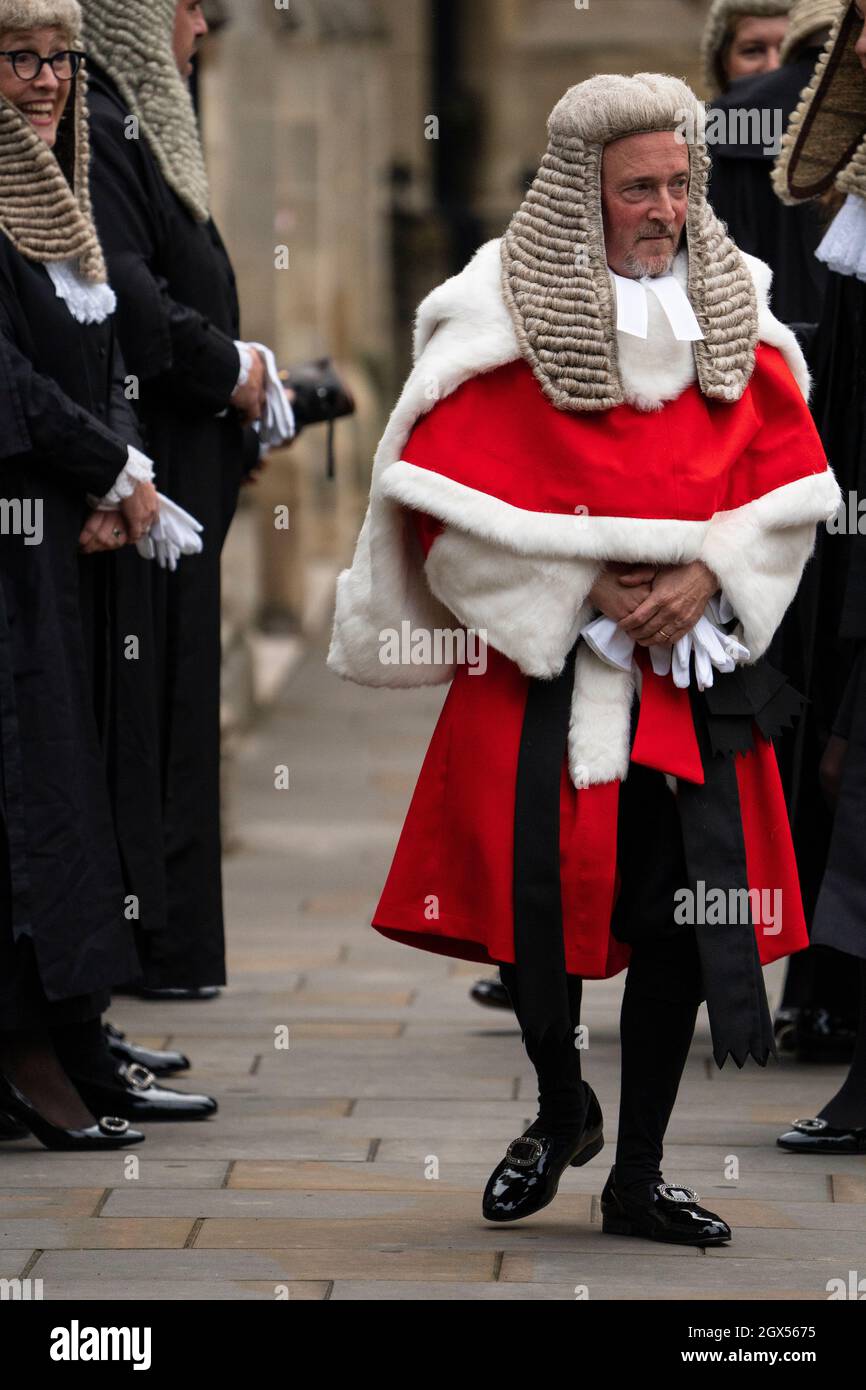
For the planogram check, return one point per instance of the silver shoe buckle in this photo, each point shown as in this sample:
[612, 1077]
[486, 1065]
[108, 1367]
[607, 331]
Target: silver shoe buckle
[140, 1078]
[812, 1126]
[113, 1124]
[676, 1192]
[534, 1143]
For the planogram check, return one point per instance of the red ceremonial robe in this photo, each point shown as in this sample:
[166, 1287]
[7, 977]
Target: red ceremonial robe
[449, 888]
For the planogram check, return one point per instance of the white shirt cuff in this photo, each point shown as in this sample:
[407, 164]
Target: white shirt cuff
[138, 469]
[246, 360]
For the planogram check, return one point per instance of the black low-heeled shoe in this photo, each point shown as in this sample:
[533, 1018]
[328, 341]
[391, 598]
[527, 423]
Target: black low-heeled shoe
[160, 1063]
[822, 1036]
[136, 1096]
[110, 1132]
[818, 1136]
[527, 1178]
[11, 1128]
[785, 1029]
[668, 1213]
[492, 994]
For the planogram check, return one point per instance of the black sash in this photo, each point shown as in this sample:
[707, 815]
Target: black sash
[715, 851]
[539, 950]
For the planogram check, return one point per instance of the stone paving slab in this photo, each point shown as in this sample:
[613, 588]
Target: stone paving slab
[99, 1233]
[549, 1229]
[716, 1274]
[848, 1186]
[739, 1209]
[206, 1266]
[329, 1205]
[604, 1286]
[449, 1136]
[382, 1175]
[280, 1175]
[182, 1291]
[742, 1144]
[63, 1202]
[216, 1139]
[36, 1169]
[14, 1262]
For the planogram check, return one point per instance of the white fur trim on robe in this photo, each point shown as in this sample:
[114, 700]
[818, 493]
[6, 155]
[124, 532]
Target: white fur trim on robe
[531, 610]
[524, 577]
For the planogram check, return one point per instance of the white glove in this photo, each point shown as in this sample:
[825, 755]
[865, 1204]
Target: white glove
[608, 641]
[173, 534]
[277, 424]
[138, 469]
[712, 647]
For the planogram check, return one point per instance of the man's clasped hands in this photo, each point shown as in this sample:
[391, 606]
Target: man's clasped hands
[655, 605]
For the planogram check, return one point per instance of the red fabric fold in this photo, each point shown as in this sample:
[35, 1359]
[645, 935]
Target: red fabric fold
[665, 738]
[427, 528]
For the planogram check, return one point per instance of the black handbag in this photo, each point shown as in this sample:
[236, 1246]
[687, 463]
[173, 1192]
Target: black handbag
[320, 397]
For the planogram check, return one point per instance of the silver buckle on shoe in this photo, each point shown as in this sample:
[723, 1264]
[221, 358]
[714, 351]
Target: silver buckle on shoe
[140, 1078]
[813, 1126]
[113, 1124]
[676, 1192]
[534, 1143]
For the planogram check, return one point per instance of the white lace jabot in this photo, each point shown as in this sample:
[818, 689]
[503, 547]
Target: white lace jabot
[86, 302]
[844, 246]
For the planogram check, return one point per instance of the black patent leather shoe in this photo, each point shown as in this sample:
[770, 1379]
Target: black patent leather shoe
[825, 1037]
[820, 1137]
[11, 1128]
[785, 1029]
[110, 1132]
[492, 994]
[528, 1177]
[669, 1212]
[160, 1063]
[136, 1096]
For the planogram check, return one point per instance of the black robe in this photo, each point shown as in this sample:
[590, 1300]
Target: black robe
[838, 686]
[63, 933]
[117, 609]
[177, 320]
[786, 238]
[742, 194]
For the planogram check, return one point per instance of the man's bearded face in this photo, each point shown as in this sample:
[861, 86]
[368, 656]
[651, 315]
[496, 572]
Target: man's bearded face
[644, 196]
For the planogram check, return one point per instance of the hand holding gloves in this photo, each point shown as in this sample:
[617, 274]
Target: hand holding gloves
[173, 534]
[713, 648]
[277, 423]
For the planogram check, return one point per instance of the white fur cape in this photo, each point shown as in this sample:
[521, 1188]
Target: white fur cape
[523, 577]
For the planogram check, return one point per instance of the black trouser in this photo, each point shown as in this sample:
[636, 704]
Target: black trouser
[659, 1007]
[663, 992]
[662, 995]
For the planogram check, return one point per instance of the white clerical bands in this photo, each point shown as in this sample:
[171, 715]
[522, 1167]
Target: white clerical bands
[632, 308]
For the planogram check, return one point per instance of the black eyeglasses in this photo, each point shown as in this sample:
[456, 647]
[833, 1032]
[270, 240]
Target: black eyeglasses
[28, 65]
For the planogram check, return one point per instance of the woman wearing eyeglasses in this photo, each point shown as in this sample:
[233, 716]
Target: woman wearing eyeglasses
[69, 481]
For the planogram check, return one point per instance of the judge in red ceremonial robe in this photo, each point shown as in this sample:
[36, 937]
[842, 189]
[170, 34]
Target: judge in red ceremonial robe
[602, 479]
